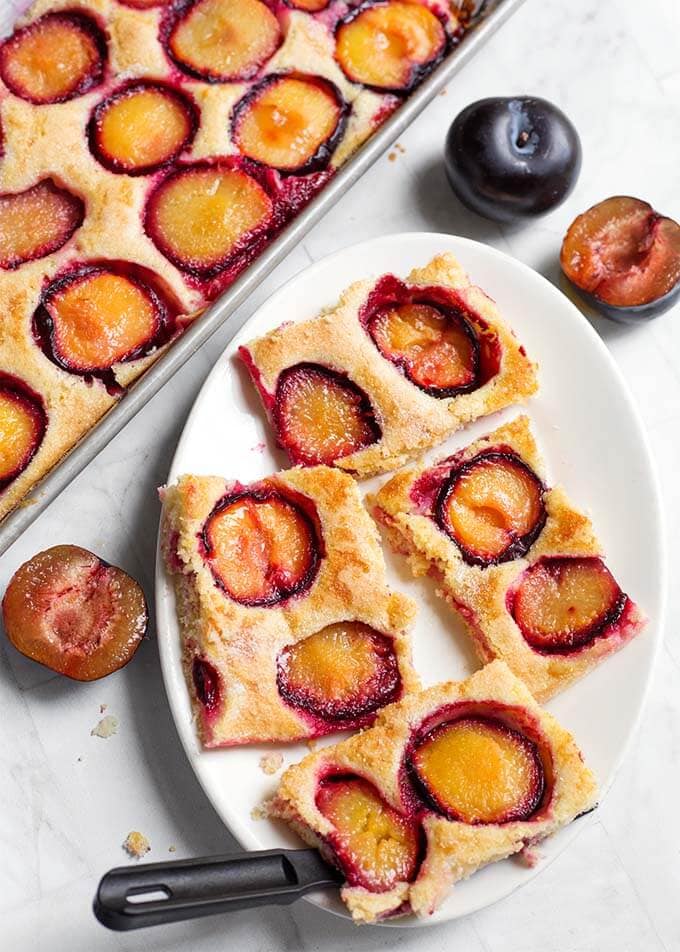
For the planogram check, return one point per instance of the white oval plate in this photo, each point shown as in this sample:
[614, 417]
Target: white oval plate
[594, 444]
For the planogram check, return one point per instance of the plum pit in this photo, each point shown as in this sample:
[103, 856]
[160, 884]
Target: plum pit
[22, 427]
[290, 122]
[343, 672]
[561, 604]
[321, 415]
[374, 845]
[55, 58]
[74, 613]
[262, 548]
[54, 213]
[492, 507]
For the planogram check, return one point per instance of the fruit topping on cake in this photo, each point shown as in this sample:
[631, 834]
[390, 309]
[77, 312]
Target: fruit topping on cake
[222, 41]
[207, 686]
[562, 603]
[492, 507]
[22, 427]
[290, 122]
[261, 546]
[55, 58]
[624, 257]
[374, 845]
[512, 159]
[141, 127]
[203, 215]
[434, 346]
[478, 770]
[344, 672]
[74, 613]
[321, 415]
[54, 214]
[99, 315]
[391, 45]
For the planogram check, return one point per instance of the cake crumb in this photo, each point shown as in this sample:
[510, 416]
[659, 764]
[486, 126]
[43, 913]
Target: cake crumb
[392, 156]
[530, 856]
[311, 744]
[444, 91]
[261, 811]
[102, 708]
[136, 845]
[400, 148]
[172, 849]
[106, 727]
[270, 763]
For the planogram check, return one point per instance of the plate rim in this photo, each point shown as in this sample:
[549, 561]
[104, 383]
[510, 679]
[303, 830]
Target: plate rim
[161, 578]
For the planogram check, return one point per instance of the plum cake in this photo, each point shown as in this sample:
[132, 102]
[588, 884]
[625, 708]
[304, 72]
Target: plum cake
[149, 151]
[446, 781]
[289, 628]
[512, 556]
[393, 368]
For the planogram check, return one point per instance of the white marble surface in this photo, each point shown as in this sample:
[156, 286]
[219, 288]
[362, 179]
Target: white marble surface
[68, 799]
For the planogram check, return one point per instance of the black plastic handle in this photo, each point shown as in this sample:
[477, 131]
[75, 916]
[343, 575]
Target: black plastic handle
[133, 897]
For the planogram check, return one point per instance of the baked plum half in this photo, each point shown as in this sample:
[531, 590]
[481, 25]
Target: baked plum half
[478, 770]
[203, 215]
[221, 41]
[290, 122]
[74, 613]
[23, 422]
[54, 214]
[262, 547]
[624, 259]
[374, 845]
[389, 46]
[563, 603]
[434, 346]
[95, 316]
[342, 673]
[321, 415]
[492, 507]
[55, 58]
[141, 127]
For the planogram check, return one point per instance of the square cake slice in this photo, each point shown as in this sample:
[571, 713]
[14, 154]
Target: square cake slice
[392, 369]
[289, 629]
[446, 781]
[515, 559]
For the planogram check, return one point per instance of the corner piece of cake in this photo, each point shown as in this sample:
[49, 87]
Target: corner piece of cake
[394, 368]
[515, 559]
[447, 781]
[289, 629]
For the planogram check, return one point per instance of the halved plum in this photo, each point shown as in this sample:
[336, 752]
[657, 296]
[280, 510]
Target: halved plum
[54, 214]
[321, 415]
[563, 603]
[624, 258]
[434, 346]
[478, 770]
[389, 46]
[492, 507]
[96, 316]
[74, 613]
[203, 215]
[290, 122]
[262, 547]
[374, 845]
[221, 41]
[55, 58]
[23, 422]
[343, 672]
[141, 127]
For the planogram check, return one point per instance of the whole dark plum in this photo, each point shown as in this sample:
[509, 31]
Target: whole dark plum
[512, 158]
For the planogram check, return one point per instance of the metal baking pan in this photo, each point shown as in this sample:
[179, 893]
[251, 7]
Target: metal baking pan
[494, 13]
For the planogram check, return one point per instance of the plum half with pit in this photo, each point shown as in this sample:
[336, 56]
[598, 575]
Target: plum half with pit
[624, 259]
[342, 673]
[262, 547]
[320, 415]
[512, 158]
[562, 604]
[492, 507]
[23, 422]
[74, 613]
[478, 770]
[374, 845]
